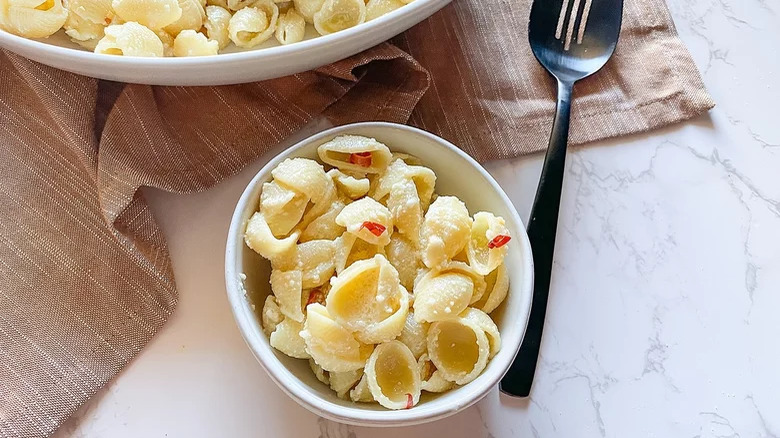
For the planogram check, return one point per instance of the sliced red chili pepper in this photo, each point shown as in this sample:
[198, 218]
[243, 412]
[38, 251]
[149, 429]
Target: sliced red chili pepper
[315, 296]
[375, 228]
[362, 159]
[499, 241]
[409, 401]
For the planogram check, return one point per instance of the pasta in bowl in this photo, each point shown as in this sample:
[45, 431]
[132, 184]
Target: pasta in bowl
[165, 42]
[132, 27]
[357, 290]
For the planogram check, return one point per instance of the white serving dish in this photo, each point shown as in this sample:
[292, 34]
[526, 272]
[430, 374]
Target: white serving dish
[457, 174]
[264, 62]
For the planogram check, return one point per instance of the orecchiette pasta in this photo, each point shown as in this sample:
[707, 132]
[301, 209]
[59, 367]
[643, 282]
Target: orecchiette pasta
[354, 153]
[307, 8]
[347, 243]
[377, 8]
[154, 14]
[94, 11]
[337, 15]
[415, 335]
[191, 43]
[368, 300]
[287, 339]
[32, 18]
[324, 202]
[287, 259]
[321, 375]
[431, 379]
[350, 249]
[483, 321]
[167, 41]
[440, 296]
[368, 220]
[254, 24]
[129, 39]
[459, 349]
[192, 16]
[405, 208]
[288, 289]
[83, 32]
[424, 180]
[282, 207]
[329, 344]
[325, 226]
[216, 25]
[361, 392]
[496, 289]
[483, 256]
[463, 268]
[86, 21]
[392, 376]
[343, 382]
[404, 255]
[351, 187]
[290, 28]
[303, 175]
[317, 259]
[259, 237]
[445, 231]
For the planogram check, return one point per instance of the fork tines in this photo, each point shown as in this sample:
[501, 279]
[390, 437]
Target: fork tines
[573, 15]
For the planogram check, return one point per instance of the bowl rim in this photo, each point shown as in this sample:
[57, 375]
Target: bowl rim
[299, 391]
[300, 48]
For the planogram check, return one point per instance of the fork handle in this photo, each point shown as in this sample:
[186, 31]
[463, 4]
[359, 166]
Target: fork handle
[541, 232]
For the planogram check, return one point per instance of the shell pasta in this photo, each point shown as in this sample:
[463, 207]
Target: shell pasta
[384, 287]
[188, 27]
[130, 39]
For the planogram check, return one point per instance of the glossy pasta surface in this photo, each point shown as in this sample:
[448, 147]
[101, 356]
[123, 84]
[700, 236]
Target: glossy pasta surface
[384, 287]
[185, 27]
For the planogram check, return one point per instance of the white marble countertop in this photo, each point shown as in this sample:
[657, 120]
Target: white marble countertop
[663, 317]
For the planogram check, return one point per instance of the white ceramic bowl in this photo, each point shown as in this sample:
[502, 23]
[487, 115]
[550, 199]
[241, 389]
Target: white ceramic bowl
[457, 174]
[264, 62]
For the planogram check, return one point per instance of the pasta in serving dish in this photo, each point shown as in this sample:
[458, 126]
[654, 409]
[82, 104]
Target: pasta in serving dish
[375, 279]
[156, 28]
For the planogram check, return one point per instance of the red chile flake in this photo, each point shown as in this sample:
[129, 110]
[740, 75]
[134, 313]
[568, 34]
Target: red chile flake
[362, 159]
[375, 228]
[499, 241]
[315, 296]
[409, 401]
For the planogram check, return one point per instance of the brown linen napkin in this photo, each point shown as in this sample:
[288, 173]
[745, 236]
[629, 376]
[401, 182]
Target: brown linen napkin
[85, 279]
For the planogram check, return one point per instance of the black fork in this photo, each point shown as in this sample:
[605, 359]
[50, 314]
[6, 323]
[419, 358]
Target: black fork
[572, 39]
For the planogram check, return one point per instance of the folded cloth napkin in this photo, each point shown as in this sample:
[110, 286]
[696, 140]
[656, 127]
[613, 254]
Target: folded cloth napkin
[85, 278]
